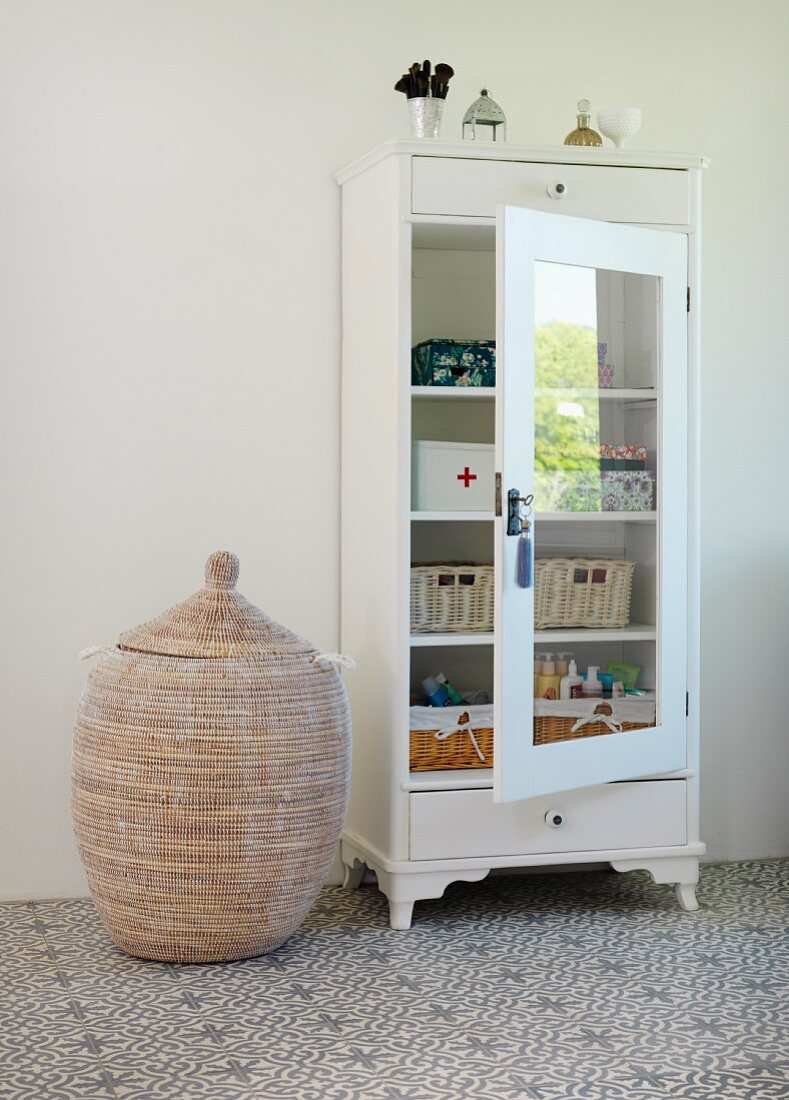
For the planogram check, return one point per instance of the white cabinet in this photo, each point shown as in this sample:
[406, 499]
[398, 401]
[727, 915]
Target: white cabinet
[532, 249]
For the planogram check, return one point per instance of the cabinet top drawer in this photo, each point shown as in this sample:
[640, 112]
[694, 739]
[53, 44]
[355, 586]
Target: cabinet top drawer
[473, 188]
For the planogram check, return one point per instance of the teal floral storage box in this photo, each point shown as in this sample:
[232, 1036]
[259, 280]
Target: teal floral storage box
[628, 490]
[454, 363]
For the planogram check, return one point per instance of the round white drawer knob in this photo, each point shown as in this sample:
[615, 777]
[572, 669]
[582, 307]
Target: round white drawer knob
[557, 189]
[554, 818]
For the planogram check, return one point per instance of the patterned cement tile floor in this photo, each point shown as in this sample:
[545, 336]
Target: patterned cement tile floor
[548, 987]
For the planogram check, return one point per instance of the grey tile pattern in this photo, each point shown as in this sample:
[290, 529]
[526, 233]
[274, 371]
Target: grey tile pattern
[540, 987]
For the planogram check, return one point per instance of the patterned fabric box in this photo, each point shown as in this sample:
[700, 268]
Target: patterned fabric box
[453, 363]
[631, 451]
[628, 491]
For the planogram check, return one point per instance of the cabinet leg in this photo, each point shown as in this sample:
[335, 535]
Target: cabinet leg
[686, 896]
[354, 873]
[400, 913]
[681, 871]
[403, 889]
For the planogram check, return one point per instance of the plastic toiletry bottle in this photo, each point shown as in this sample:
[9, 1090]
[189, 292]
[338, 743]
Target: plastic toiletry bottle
[436, 693]
[561, 663]
[593, 689]
[538, 658]
[607, 680]
[454, 694]
[571, 686]
[548, 682]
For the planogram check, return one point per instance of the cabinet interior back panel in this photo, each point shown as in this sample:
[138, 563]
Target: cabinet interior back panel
[453, 294]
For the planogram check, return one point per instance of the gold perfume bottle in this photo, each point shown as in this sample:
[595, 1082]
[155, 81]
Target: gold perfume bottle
[583, 134]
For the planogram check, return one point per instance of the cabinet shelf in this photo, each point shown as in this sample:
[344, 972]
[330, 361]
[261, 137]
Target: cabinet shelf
[461, 779]
[635, 632]
[648, 393]
[542, 517]
[453, 393]
[418, 640]
[596, 517]
[481, 393]
[451, 517]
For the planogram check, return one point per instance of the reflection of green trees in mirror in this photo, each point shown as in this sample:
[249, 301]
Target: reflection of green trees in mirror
[566, 358]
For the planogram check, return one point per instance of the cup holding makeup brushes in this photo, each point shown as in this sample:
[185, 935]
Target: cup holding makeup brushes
[424, 113]
[426, 94]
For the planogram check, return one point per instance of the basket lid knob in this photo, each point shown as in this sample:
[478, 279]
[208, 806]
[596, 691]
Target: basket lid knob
[221, 570]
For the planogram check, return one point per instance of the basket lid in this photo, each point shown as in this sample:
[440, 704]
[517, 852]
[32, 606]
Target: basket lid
[215, 622]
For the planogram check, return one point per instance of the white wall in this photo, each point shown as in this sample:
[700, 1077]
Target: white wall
[169, 328]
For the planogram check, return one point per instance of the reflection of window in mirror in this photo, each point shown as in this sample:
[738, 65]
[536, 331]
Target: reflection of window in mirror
[567, 423]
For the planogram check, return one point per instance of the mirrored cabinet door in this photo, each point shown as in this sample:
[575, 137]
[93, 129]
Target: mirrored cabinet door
[592, 432]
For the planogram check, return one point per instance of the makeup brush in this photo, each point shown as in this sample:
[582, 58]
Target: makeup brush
[444, 74]
[402, 84]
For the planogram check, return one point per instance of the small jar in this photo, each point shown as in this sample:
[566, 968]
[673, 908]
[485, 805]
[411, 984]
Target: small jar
[583, 134]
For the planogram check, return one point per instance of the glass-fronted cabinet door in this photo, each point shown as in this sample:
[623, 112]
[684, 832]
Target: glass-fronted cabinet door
[590, 546]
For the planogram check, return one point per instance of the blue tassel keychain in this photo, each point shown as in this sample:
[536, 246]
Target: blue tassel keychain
[525, 561]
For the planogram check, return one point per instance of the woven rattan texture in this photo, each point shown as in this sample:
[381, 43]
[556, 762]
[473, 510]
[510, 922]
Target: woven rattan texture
[582, 592]
[428, 754]
[451, 599]
[215, 622]
[208, 795]
[550, 729]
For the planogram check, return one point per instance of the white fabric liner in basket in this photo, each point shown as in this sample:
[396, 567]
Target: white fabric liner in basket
[446, 722]
[446, 719]
[629, 708]
[434, 718]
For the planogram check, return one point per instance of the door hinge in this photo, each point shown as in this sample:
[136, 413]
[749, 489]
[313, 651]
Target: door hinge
[688, 299]
[687, 703]
[498, 494]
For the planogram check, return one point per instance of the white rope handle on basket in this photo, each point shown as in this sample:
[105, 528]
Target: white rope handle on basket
[95, 650]
[339, 660]
[610, 720]
[460, 727]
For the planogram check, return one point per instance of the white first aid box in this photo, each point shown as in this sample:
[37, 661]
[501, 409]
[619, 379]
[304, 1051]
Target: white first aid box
[452, 477]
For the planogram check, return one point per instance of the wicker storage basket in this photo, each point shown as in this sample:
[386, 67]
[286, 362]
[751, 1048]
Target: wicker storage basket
[450, 737]
[451, 598]
[592, 592]
[209, 778]
[568, 720]
[440, 738]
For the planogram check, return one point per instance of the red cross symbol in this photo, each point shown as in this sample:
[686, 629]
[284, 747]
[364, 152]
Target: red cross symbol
[467, 477]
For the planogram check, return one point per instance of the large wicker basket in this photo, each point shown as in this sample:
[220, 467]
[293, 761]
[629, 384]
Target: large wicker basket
[585, 592]
[451, 598]
[209, 778]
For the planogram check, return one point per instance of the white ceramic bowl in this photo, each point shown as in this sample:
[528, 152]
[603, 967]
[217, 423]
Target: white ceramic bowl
[619, 123]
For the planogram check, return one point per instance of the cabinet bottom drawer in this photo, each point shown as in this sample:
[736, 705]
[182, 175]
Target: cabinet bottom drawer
[458, 824]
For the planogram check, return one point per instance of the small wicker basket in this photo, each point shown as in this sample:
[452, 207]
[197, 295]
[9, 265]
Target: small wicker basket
[450, 738]
[579, 718]
[451, 598]
[582, 592]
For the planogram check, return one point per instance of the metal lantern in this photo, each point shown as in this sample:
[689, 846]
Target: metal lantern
[484, 112]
